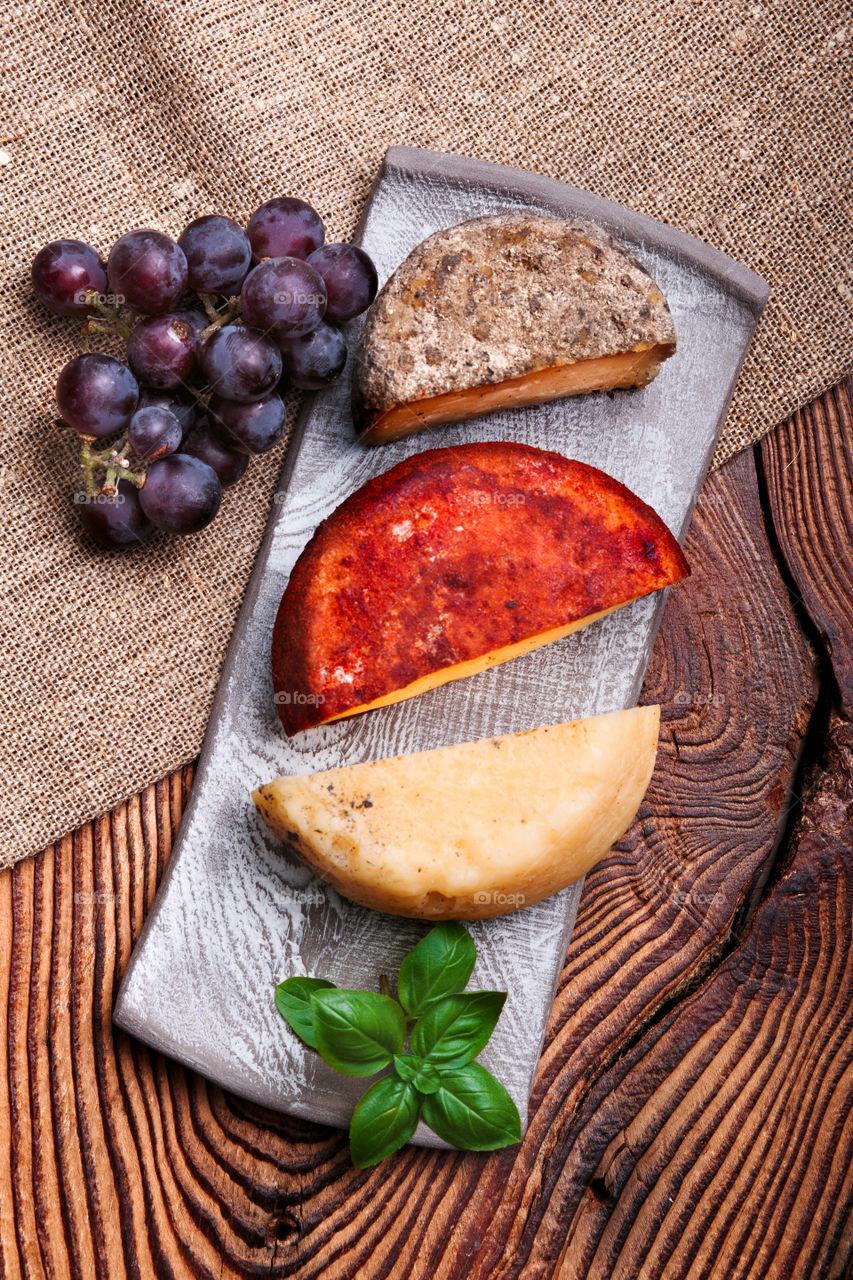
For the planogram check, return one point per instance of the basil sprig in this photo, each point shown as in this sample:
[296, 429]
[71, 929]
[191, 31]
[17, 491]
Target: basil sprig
[360, 1033]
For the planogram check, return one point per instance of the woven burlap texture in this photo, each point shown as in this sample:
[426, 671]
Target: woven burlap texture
[726, 120]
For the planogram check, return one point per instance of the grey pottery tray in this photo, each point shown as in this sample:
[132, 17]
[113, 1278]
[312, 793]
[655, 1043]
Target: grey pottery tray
[235, 914]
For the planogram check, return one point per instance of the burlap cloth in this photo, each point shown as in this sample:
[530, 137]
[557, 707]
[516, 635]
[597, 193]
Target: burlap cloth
[728, 120]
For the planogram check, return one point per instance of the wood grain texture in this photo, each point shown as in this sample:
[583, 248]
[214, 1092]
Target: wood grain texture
[725, 1137]
[808, 466]
[692, 1114]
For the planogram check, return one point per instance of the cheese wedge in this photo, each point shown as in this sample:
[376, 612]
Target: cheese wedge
[475, 830]
[453, 561]
[508, 310]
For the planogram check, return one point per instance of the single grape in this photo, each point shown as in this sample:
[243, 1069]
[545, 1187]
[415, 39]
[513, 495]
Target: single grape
[147, 270]
[63, 271]
[154, 432]
[162, 351]
[96, 395]
[249, 428]
[205, 443]
[285, 228]
[315, 359]
[181, 494]
[285, 297]
[184, 410]
[218, 254]
[117, 520]
[350, 279]
[240, 363]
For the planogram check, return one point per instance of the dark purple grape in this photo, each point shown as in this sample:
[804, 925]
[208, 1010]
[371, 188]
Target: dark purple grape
[285, 297]
[218, 254]
[96, 395]
[205, 443]
[147, 270]
[116, 521]
[181, 494]
[184, 410]
[240, 363]
[350, 279]
[285, 228]
[162, 351]
[63, 271]
[154, 431]
[249, 428]
[316, 359]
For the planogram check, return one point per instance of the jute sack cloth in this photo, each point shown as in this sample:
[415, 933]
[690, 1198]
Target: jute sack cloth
[730, 121]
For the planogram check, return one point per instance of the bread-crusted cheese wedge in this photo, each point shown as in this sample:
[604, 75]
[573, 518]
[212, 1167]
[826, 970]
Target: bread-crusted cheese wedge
[503, 311]
[451, 562]
[475, 830]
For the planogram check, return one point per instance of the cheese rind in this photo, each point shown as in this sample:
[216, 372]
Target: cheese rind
[503, 311]
[474, 830]
[629, 369]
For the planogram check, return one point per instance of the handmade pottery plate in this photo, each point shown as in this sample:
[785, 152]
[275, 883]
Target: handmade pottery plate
[235, 914]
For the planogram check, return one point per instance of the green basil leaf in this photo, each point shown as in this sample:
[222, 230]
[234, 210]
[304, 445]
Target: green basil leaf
[440, 965]
[453, 1031]
[407, 1067]
[424, 1077]
[357, 1032]
[427, 1079]
[385, 1119]
[292, 1001]
[472, 1110]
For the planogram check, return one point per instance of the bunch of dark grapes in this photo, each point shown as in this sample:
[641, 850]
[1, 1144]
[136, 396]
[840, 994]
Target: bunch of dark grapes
[217, 324]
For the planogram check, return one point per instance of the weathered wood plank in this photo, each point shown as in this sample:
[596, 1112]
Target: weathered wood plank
[808, 465]
[640, 440]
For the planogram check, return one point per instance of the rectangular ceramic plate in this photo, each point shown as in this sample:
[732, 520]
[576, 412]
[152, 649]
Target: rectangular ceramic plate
[235, 914]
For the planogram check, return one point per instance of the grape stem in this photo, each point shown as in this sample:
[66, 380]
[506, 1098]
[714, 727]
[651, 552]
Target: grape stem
[218, 319]
[109, 316]
[112, 461]
[101, 326]
[208, 301]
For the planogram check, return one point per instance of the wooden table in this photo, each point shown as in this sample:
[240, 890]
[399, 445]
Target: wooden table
[693, 1111]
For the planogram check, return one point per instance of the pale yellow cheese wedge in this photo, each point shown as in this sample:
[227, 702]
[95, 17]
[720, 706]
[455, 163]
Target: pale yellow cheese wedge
[474, 830]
